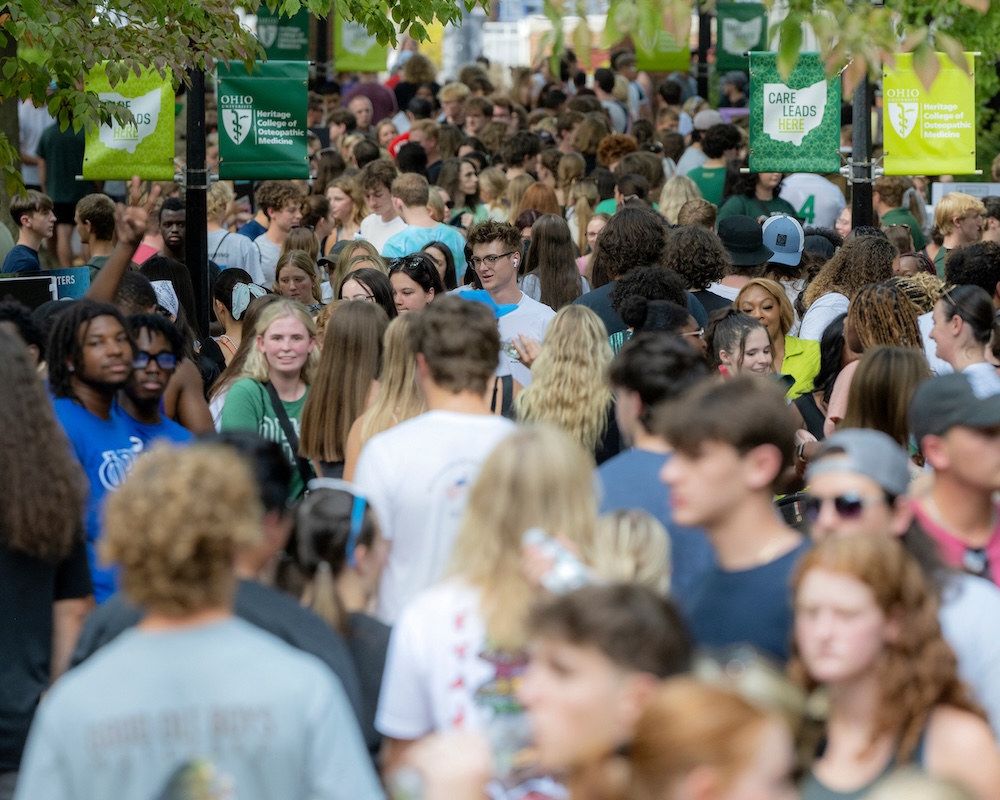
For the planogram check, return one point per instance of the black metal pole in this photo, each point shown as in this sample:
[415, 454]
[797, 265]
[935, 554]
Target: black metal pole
[861, 156]
[196, 251]
[704, 45]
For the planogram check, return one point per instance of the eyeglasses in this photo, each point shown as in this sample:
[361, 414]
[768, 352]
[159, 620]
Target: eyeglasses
[976, 561]
[163, 360]
[489, 261]
[360, 297]
[847, 506]
[698, 333]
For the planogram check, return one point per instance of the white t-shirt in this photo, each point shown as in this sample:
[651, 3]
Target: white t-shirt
[269, 254]
[531, 318]
[229, 249]
[378, 232]
[729, 293]
[821, 313]
[816, 201]
[984, 379]
[32, 122]
[925, 322]
[417, 476]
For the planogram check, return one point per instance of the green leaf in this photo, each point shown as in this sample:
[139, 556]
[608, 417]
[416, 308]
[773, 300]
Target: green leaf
[926, 64]
[953, 49]
[790, 46]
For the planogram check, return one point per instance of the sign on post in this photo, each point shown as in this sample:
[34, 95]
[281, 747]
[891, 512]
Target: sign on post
[284, 38]
[742, 28]
[262, 121]
[144, 147]
[354, 49]
[794, 126]
[929, 131]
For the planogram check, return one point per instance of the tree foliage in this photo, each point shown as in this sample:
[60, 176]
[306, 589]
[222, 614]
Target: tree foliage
[59, 41]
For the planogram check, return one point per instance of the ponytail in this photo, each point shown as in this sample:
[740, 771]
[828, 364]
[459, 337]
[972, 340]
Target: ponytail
[324, 600]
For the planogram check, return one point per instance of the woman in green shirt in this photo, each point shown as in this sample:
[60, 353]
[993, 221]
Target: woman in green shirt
[279, 370]
[754, 194]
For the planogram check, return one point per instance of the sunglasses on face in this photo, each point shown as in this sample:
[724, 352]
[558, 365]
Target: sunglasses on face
[847, 506]
[163, 360]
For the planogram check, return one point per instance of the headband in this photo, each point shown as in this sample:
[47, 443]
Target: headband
[243, 293]
[166, 297]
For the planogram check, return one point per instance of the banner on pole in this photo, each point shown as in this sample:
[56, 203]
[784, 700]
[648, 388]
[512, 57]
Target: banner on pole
[262, 120]
[742, 28]
[146, 146]
[284, 38]
[929, 131]
[354, 49]
[794, 126]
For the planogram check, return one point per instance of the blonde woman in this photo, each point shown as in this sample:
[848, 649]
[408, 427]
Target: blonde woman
[347, 209]
[676, 192]
[571, 169]
[345, 386]
[632, 546]
[458, 649]
[516, 189]
[492, 189]
[278, 371]
[296, 276]
[583, 200]
[569, 386]
[398, 398]
[361, 253]
[225, 248]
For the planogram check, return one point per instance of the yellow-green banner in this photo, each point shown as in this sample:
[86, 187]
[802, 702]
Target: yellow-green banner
[929, 131]
[146, 146]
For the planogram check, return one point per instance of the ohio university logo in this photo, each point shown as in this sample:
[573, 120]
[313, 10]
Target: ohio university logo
[237, 116]
[903, 117]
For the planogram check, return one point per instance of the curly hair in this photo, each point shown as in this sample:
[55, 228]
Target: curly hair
[975, 265]
[614, 146]
[176, 525]
[917, 670]
[490, 231]
[697, 255]
[923, 289]
[861, 261]
[634, 237]
[40, 525]
[649, 283]
[569, 386]
[882, 314]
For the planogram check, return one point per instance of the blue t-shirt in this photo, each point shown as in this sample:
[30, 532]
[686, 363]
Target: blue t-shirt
[106, 449]
[21, 258]
[632, 480]
[166, 429]
[750, 606]
[252, 229]
[413, 239]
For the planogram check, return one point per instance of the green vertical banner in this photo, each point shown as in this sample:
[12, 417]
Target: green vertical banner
[262, 120]
[929, 131]
[794, 126]
[284, 38]
[354, 49]
[742, 27]
[144, 147]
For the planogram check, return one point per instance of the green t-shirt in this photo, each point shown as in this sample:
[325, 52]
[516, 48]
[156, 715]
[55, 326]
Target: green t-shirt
[248, 408]
[710, 181]
[63, 152]
[608, 207]
[902, 216]
[740, 204]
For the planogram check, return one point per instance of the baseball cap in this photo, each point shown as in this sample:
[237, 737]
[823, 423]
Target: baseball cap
[742, 237]
[783, 234]
[871, 453]
[949, 401]
[704, 120]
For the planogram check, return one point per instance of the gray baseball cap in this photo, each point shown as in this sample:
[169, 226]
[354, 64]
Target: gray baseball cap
[949, 401]
[867, 452]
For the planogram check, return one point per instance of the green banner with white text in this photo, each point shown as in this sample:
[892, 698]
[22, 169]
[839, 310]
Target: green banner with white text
[929, 131]
[144, 147]
[284, 38]
[356, 50]
[794, 125]
[742, 27]
[262, 120]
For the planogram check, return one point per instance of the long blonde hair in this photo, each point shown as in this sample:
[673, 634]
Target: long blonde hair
[256, 366]
[537, 477]
[676, 192]
[399, 397]
[350, 362]
[569, 386]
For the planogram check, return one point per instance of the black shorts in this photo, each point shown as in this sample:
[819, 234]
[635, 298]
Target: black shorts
[65, 213]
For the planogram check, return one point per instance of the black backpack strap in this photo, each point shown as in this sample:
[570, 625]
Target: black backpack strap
[507, 401]
[305, 471]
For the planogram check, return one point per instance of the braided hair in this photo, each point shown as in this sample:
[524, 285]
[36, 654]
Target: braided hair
[882, 314]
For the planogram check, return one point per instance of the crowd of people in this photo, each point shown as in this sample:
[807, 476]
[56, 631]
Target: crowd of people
[534, 451]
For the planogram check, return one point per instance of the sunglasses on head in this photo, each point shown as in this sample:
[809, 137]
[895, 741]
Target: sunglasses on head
[849, 505]
[408, 262]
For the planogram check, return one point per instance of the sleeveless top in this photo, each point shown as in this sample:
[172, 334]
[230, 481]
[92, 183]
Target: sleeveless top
[812, 789]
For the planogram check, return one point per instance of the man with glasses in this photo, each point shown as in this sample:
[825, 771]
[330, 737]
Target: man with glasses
[858, 482]
[159, 346]
[959, 435]
[496, 254]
